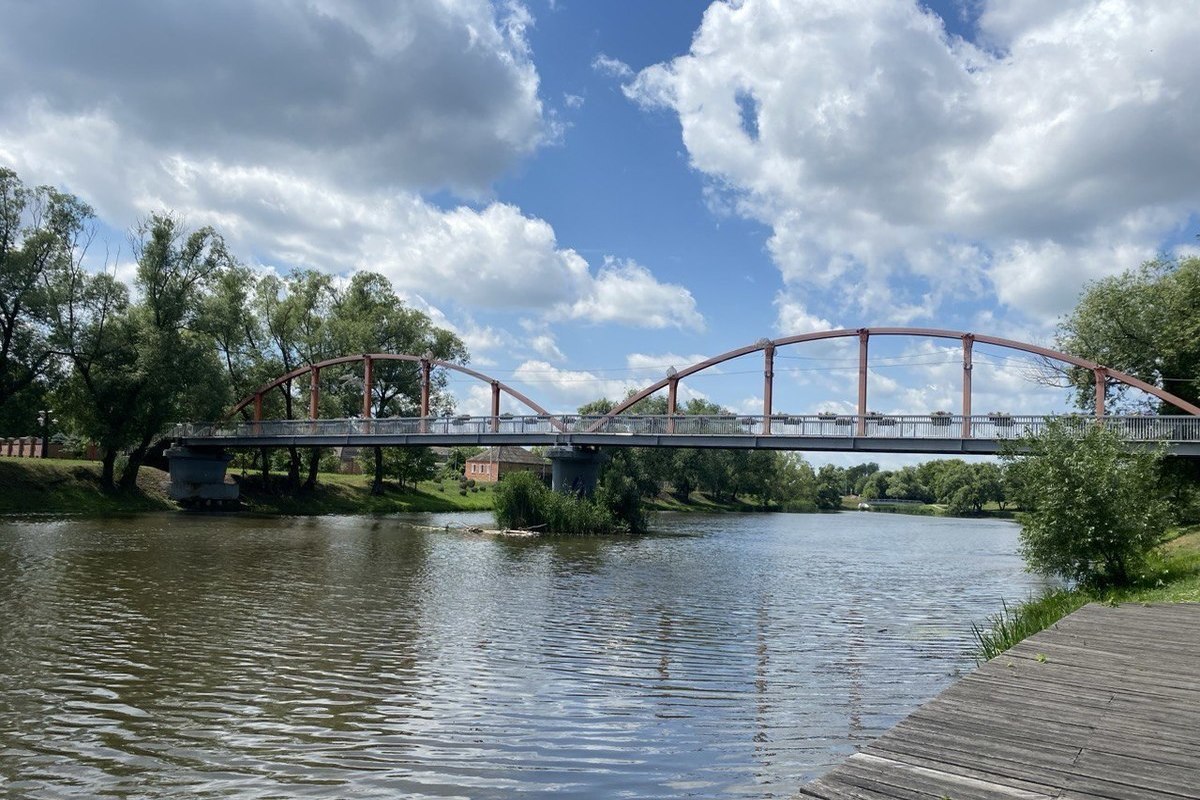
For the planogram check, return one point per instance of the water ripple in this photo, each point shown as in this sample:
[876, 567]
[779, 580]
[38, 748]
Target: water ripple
[222, 656]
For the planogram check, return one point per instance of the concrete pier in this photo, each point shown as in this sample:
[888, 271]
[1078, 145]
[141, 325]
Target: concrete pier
[574, 469]
[198, 477]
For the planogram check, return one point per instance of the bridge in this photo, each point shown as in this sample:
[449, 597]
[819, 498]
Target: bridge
[199, 449]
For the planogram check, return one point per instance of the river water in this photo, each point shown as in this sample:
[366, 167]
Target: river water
[732, 656]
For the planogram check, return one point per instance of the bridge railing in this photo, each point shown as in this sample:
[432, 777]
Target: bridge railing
[925, 426]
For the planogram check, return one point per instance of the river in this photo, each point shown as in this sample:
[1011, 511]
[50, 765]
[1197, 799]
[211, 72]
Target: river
[732, 655]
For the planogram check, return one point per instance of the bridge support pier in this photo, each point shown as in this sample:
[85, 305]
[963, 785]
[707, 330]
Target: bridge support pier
[574, 469]
[198, 477]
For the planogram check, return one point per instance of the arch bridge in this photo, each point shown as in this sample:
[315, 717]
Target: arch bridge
[959, 433]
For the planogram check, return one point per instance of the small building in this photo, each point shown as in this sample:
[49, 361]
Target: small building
[494, 463]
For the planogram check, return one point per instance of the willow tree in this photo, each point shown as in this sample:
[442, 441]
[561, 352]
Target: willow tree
[139, 365]
[42, 232]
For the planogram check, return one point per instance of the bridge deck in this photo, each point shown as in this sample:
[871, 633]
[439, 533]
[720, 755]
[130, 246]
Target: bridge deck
[983, 434]
[1104, 705]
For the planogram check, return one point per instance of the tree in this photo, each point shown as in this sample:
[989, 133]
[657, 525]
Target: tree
[831, 481]
[42, 232]
[905, 484]
[368, 317]
[138, 366]
[1095, 505]
[876, 485]
[1145, 322]
[857, 475]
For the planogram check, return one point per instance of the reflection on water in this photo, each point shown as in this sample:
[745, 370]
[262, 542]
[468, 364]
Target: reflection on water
[173, 655]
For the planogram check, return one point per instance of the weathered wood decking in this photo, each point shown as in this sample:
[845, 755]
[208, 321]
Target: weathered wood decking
[1106, 704]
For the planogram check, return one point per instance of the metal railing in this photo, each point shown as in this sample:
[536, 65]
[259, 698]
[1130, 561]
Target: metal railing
[926, 426]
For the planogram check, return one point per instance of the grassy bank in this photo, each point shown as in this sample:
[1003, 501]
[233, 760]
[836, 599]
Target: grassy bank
[60, 486]
[992, 510]
[1172, 576]
[351, 494]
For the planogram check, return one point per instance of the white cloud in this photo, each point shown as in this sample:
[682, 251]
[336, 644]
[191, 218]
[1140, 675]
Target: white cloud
[544, 345]
[901, 168]
[613, 67]
[626, 292]
[793, 318]
[489, 258]
[564, 390]
[416, 94]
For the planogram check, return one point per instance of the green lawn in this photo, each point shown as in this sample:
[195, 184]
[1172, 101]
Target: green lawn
[58, 486]
[351, 494]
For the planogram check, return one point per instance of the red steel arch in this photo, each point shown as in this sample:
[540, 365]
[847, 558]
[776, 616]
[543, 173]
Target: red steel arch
[767, 346]
[427, 364]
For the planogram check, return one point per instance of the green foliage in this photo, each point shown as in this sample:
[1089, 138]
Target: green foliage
[622, 497]
[1145, 322]
[522, 500]
[1095, 505]
[138, 365]
[42, 235]
[408, 465]
[831, 485]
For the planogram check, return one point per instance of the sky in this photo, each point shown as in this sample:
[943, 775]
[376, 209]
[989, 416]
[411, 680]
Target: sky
[589, 193]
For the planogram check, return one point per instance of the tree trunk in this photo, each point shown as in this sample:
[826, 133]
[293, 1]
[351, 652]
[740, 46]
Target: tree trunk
[136, 457]
[107, 468]
[129, 474]
[265, 457]
[377, 484]
[293, 478]
[314, 462]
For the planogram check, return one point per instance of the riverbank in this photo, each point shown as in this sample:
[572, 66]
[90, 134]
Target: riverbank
[990, 510]
[1172, 576]
[63, 486]
[60, 486]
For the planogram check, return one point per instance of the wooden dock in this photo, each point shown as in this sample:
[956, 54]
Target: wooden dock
[1105, 705]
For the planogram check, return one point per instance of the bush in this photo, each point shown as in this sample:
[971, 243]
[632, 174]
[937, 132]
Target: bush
[523, 501]
[1095, 505]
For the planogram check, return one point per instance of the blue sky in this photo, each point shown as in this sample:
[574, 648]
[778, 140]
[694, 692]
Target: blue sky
[590, 192]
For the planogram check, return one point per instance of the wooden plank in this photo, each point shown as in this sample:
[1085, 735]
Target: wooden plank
[1105, 705]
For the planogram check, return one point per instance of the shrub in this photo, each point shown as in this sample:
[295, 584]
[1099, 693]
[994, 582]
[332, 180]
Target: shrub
[523, 501]
[1095, 504]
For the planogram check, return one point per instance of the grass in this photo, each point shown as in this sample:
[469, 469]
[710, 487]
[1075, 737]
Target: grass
[351, 494]
[1172, 575]
[64, 486]
[850, 503]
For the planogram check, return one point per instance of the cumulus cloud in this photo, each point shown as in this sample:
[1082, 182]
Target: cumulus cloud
[792, 317]
[901, 167]
[310, 140]
[415, 94]
[626, 292]
[565, 390]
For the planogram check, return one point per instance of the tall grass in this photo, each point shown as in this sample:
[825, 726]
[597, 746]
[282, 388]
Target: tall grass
[1014, 623]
